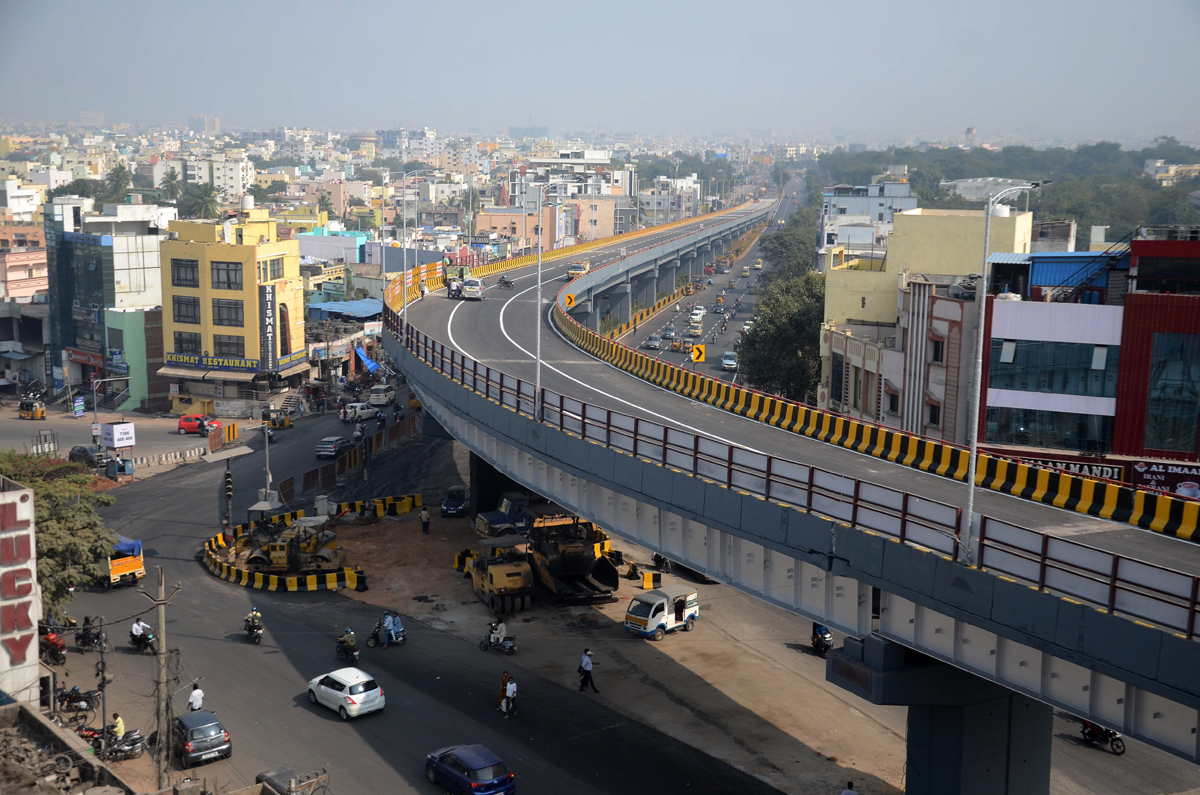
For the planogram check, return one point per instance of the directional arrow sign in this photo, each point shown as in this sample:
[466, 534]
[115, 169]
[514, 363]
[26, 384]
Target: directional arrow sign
[570, 300]
[697, 353]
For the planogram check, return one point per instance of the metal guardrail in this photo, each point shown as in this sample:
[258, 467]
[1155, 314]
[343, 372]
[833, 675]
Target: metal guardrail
[1117, 584]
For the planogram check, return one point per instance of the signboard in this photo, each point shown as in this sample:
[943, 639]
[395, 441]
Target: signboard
[95, 429]
[211, 362]
[219, 390]
[174, 389]
[85, 357]
[1182, 478]
[292, 359]
[117, 434]
[77, 405]
[116, 355]
[267, 327]
[20, 597]
[373, 327]
[1108, 470]
[231, 408]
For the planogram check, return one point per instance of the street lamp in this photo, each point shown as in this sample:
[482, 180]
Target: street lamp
[966, 551]
[537, 386]
[404, 176]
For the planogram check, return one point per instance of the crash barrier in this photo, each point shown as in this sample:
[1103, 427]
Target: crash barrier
[384, 506]
[645, 314]
[164, 458]
[1150, 510]
[231, 432]
[346, 577]
[1157, 595]
[325, 476]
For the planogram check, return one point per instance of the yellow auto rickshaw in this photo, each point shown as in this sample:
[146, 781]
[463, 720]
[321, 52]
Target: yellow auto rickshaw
[733, 284]
[676, 344]
[31, 410]
[688, 345]
[688, 289]
[752, 289]
[276, 418]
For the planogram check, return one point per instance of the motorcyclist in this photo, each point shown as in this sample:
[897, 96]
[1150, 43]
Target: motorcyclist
[818, 630]
[137, 632]
[358, 430]
[252, 619]
[397, 628]
[348, 641]
[499, 632]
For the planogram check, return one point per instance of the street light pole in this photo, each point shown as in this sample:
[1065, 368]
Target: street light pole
[966, 551]
[95, 412]
[404, 177]
[537, 387]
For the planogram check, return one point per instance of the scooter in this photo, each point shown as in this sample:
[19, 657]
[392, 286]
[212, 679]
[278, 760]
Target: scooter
[254, 632]
[53, 649]
[76, 700]
[662, 563]
[822, 641]
[376, 636]
[351, 655]
[1095, 733]
[508, 644]
[143, 642]
[130, 745]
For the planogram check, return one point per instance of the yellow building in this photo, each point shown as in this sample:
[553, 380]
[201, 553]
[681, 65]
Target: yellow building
[233, 311]
[303, 218]
[265, 180]
[934, 242]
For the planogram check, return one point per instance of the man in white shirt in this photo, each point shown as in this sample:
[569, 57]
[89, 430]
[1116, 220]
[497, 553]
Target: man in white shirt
[196, 699]
[510, 699]
[849, 790]
[585, 672]
[138, 628]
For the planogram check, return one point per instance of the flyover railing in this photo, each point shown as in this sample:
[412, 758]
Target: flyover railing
[1115, 583]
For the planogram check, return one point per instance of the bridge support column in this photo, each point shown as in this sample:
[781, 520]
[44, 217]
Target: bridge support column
[619, 300]
[665, 284]
[643, 290]
[965, 735]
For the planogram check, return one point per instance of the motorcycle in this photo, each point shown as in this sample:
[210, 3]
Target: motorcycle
[130, 745]
[508, 644]
[143, 642]
[351, 655]
[376, 636]
[76, 700]
[53, 649]
[661, 563]
[822, 641]
[92, 639]
[1094, 733]
[505, 283]
[254, 632]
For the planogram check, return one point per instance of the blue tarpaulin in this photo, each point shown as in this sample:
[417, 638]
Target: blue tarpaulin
[365, 307]
[371, 365]
[127, 548]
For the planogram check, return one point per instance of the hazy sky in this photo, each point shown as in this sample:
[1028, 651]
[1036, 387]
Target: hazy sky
[1073, 68]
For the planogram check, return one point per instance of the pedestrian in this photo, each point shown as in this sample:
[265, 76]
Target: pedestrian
[196, 699]
[510, 698]
[345, 416]
[424, 521]
[585, 672]
[503, 692]
[849, 790]
[300, 408]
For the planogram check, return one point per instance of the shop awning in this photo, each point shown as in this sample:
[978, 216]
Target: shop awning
[294, 369]
[17, 356]
[205, 375]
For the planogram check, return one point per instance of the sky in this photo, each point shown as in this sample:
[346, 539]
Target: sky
[925, 69]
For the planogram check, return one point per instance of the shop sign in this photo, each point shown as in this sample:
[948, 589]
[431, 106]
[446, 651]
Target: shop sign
[1181, 478]
[85, 357]
[211, 362]
[20, 597]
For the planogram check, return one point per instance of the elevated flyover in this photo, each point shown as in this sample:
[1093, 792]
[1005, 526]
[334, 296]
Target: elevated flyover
[1057, 614]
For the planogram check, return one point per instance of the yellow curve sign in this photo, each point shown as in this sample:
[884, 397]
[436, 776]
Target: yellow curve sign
[697, 353]
[570, 300]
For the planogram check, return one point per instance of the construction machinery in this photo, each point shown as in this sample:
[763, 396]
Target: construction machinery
[500, 574]
[307, 546]
[509, 516]
[569, 556]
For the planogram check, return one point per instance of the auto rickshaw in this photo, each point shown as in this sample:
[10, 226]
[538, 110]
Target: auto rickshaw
[752, 289]
[688, 289]
[721, 297]
[733, 284]
[676, 344]
[31, 410]
[688, 345]
[276, 418]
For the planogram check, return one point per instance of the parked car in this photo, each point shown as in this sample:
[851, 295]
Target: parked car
[333, 446]
[470, 768]
[729, 360]
[198, 737]
[654, 343]
[473, 288]
[348, 691]
[89, 454]
[190, 423]
[455, 501]
[361, 411]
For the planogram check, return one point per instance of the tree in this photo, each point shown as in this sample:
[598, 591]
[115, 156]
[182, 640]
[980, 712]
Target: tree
[72, 542]
[172, 185]
[259, 192]
[277, 186]
[781, 177]
[325, 204]
[200, 201]
[87, 188]
[118, 181]
[782, 352]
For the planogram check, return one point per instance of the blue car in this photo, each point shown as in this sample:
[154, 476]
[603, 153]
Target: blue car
[470, 768]
[455, 501]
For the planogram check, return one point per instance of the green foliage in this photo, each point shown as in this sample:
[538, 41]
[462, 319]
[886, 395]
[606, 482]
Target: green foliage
[142, 181]
[780, 177]
[374, 176]
[200, 201]
[260, 193]
[118, 181]
[262, 163]
[87, 188]
[650, 167]
[73, 544]
[277, 186]
[782, 352]
[171, 185]
[396, 165]
[324, 203]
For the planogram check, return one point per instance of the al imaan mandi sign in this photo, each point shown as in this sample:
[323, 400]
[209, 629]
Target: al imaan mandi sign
[20, 597]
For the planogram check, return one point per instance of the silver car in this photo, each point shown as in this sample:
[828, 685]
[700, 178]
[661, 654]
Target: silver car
[654, 343]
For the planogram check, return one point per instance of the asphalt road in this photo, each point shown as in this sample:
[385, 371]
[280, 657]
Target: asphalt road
[501, 331]
[154, 436]
[440, 689]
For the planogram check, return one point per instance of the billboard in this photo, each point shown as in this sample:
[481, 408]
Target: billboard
[267, 324]
[20, 597]
[117, 434]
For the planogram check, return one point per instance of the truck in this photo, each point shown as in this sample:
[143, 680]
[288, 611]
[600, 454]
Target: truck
[508, 518]
[578, 268]
[500, 574]
[125, 564]
[568, 556]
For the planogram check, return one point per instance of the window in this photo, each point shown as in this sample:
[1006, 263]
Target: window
[1099, 357]
[187, 342]
[1060, 368]
[880, 216]
[185, 273]
[227, 276]
[935, 414]
[1086, 433]
[893, 403]
[116, 338]
[185, 309]
[277, 268]
[226, 345]
[936, 351]
[227, 312]
[835, 378]
[285, 331]
[1174, 387]
[1007, 351]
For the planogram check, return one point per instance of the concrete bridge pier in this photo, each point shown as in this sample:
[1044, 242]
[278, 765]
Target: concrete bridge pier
[665, 283]
[619, 300]
[584, 312]
[642, 288]
[966, 736]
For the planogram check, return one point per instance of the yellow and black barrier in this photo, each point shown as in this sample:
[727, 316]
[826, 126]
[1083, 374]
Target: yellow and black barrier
[346, 577]
[1150, 510]
[384, 506]
[231, 432]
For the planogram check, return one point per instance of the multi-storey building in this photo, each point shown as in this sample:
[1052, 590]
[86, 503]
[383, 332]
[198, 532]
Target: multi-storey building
[233, 310]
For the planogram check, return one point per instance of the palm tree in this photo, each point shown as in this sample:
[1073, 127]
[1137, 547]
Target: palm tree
[201, 201]
[324, 204]
[172, 185]
[118, 181]
[260, 193]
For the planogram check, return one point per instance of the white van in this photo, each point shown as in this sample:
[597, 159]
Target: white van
[382, 395]
[473, 288]
[652, 614]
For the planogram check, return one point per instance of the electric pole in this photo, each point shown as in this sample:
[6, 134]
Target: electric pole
[161, 602]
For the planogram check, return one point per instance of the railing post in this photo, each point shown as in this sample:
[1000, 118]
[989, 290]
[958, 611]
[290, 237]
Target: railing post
[767, 478]
[561, 421]
[958, 518]
[812, 473]
[904, 518]
[695, 454]
[983, 520]
[636, 425]
[608, 428]
[664, 445]
[1112, 583]
[854, 505]
[1191, 628]
[1042, 566]
[729, 468]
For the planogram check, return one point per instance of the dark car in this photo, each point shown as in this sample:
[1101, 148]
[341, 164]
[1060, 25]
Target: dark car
[721, 269]
[455, 501]
[199, 737]
[470, 768]
[88, 454]
[333, 446]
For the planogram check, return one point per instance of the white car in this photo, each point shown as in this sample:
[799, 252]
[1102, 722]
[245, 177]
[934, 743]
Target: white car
[361, 411]
[473, 288]
[349, 691]
[697, 316]
[729, 360]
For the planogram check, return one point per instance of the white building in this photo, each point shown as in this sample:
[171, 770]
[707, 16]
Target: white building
[231, 174]
[21, 202]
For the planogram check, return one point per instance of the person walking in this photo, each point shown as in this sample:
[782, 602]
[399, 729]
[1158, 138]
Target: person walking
[849, 790]
[345, 416]
[510, 698]
[585, 672]
[424, 521]
[503, 692]
[196, 698]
